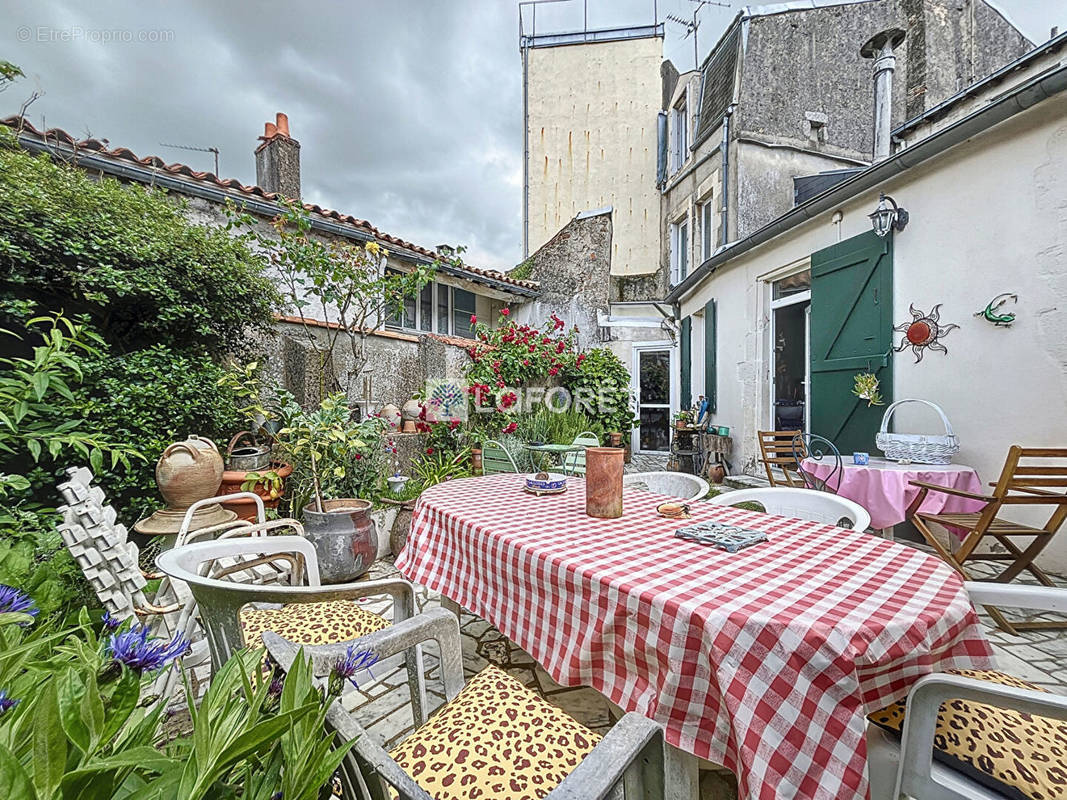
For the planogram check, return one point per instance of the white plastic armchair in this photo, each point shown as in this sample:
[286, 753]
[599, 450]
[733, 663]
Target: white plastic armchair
[630, 753]
[220, 601]
[907, 764]
[673, 484]
[808, 504]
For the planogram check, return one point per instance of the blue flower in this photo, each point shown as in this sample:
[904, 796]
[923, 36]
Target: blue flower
[111, 623]
[6, 703]
[134, 649]
[13, 600]
[349, 664]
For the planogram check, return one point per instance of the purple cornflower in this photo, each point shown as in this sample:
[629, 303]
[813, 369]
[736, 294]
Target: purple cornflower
[15, 601]
[6, 703]
[134, 649]
[110, 623]
[348, 665]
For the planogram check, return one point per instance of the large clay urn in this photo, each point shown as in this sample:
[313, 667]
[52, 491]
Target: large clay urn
[344, 536]
[603, 482]
[188, 471]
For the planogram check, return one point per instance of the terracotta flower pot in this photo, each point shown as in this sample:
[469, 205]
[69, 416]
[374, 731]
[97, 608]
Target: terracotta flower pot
[246, 508]
[603, 482]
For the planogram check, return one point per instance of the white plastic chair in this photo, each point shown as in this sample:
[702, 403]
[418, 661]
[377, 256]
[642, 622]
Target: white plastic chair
[907, 764]
[673, 484]
[801, 504]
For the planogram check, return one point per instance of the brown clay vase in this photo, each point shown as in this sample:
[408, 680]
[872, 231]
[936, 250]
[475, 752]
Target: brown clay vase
[476, 459]
[188, 471]
[603, 482]
[716, 473]
[344, 536]
[615, 439]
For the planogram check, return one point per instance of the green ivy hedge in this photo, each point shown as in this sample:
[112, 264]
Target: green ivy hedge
[126, 256]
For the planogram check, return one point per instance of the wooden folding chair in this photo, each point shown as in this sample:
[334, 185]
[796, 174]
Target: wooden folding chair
[776, 450]
[1020, 484]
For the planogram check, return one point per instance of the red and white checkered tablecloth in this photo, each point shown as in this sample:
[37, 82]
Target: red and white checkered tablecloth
[764, 661]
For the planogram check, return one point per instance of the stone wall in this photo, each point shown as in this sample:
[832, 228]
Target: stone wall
[574, 270]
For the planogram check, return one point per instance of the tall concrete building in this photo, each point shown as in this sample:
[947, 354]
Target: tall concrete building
[591, 100]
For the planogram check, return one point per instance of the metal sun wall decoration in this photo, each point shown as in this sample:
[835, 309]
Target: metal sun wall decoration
[923, 332]
[989, 313]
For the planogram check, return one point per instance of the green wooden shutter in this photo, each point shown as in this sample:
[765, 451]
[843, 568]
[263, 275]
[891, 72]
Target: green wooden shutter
[851, 332]
[711, 345]
[685, 353]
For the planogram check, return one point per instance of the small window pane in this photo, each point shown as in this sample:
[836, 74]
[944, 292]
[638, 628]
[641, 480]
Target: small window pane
[463, 308]
[442, 309]
[683, 249]
[395, 319]
[426, 307]
[794, 284]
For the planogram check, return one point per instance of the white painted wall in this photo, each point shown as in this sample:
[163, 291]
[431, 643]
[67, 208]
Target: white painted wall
[988, 216]
[592, 138]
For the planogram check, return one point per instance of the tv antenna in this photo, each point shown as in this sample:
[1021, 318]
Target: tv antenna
[213, 150]
[693, 25]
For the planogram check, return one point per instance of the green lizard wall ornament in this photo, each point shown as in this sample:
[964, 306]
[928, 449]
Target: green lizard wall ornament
[989, 313]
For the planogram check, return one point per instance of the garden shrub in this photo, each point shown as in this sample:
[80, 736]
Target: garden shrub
[127, 257]
[514, 356]
[34, 558]
[151, 398]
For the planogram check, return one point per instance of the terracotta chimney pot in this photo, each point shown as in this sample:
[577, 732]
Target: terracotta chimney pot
[283, 123]
[269, 130]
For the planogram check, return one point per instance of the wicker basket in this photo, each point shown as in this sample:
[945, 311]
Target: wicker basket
[917, 447]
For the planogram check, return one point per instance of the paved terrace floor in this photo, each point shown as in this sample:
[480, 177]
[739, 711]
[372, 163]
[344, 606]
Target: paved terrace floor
[1037, 656]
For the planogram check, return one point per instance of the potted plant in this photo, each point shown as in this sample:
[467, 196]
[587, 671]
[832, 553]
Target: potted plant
[334, 459]
[397, 482]
[252, 467]
[683, 419]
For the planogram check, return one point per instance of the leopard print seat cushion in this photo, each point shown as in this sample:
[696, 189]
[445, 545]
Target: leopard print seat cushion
[310, 623]
[1016, 754]
[496, 740]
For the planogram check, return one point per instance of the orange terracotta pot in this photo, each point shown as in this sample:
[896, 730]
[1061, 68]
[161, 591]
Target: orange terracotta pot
[603, 482]
[245, 508]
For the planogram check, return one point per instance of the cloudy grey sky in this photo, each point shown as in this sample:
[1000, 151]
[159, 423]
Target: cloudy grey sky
[409, 112]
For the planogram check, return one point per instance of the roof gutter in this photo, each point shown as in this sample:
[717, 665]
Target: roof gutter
[264, 208]
[1020, 99]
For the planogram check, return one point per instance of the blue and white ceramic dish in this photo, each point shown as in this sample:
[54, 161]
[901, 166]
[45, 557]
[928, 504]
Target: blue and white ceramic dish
[546, 482]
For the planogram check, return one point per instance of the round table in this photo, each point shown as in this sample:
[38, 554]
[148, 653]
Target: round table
[556, 449]
[883, 487]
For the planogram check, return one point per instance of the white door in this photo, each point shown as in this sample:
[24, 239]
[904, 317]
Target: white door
[653, 386]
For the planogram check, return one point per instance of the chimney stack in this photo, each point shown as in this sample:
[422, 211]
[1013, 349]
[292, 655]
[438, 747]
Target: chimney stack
[278, 159]
[880, 47]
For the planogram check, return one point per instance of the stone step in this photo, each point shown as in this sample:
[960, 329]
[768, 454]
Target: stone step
[746, 482]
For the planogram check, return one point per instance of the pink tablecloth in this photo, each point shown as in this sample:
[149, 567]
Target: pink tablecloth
[882, 487]
[764, 661]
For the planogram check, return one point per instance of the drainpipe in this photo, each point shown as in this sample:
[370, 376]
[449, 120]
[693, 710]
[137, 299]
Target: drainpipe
[880, 47]
[724, 224]
[525, 152]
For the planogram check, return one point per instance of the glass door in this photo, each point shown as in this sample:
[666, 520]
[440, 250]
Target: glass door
[653, 391]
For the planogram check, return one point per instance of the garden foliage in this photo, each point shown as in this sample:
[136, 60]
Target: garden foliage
[126, 257]
[77, 719]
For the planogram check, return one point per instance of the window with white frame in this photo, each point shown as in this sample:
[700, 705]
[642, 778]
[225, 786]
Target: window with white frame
[679, 128]
[437, 308]
[679, 257]
[707, 229]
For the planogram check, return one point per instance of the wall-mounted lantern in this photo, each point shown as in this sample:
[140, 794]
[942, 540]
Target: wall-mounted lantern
[888, 216]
